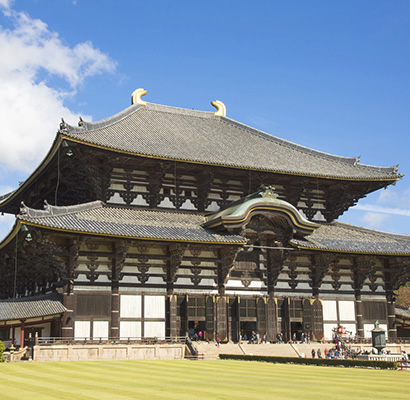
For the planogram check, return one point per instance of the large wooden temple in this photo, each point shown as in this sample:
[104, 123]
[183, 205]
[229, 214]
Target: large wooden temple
[161, 221]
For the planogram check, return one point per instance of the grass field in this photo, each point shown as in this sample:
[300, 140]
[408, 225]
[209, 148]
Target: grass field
[197, 380]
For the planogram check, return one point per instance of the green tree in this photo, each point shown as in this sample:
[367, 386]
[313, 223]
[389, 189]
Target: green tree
[2, 348]
[403, 296]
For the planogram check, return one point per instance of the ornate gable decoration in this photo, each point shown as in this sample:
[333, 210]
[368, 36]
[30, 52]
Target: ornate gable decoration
[265, 202]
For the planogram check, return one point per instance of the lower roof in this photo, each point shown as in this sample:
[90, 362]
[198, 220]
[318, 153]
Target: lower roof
[101, 219]
[346, 238]
[31, 307]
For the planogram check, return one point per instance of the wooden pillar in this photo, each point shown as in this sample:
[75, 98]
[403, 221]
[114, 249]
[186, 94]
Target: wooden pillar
[361, 268]
[359, 313]
[120, 250]
[391, 318]
[115, 310]
[222, 317]
[67, 325]
[22, 334]
[271, 318]
[172, 316]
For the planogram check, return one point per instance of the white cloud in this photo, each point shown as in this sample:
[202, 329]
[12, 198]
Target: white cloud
[374, 220]
[5, 3]
[30, 107]
[6, 223]
[383, 210]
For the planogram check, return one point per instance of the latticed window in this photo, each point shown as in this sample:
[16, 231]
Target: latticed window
[196, 307]
[296, 309]
[247, 308]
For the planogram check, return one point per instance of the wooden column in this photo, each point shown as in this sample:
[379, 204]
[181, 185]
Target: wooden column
[67, 323]
[69, 298]
[222, 317]
[120, 250]
[172, 324]
[115, 310]
[22, 334]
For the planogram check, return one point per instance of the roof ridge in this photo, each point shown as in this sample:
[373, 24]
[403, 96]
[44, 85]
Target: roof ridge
[88, 126]
[362, 228]
[50, 210]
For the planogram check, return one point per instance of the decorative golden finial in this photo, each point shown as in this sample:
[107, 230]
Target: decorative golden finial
[136, 96]
[220, 108]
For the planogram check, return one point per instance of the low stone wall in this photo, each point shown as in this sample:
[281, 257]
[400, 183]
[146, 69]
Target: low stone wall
[108, 352]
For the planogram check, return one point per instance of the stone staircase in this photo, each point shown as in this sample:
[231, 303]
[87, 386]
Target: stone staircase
[210, 351]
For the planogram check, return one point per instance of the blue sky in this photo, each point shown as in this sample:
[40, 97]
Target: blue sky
[329, 75]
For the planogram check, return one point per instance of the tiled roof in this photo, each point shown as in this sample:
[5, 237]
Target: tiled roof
[98, 218]
[31, 307]
[201, 137]
[403, 312]
[340, 237]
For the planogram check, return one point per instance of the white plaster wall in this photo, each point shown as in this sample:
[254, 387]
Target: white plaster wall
[166, 203]
[116, 199]
[155, 279]
[350, 328]
[328, 331]
[329, 310]
[139, 201]
[154, 307]
[82, 329]
[188, 205]
[100, 329]
[130, 329]
[369, 327]
[346, 310]
[154, 329]
[17, 334]
[130, 306]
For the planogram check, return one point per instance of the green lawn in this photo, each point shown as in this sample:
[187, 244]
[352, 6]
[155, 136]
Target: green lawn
[194, 380]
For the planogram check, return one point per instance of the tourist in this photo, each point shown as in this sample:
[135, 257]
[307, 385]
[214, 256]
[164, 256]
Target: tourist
[319, 353]
[405, 358]
[313, 353]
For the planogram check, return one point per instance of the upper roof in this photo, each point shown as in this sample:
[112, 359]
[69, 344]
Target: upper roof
[31, 307]
[345, 238]
[97, 218]
[164, 132]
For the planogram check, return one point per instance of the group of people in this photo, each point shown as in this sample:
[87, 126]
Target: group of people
[197, 336]
[304, 338]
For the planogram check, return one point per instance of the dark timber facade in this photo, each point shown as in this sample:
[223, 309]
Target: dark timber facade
[162, 221]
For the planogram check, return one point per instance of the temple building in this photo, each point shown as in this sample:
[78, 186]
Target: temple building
[166, 222]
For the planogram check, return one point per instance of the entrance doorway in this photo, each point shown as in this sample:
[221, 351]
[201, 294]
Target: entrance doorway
[196, 330]
[247, 328]
[296, 328]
